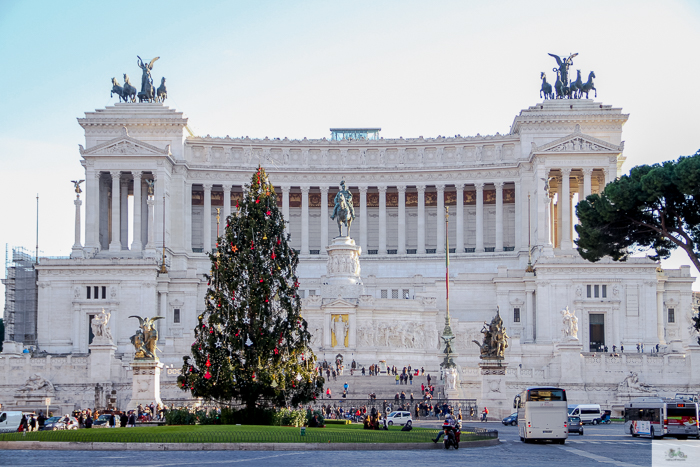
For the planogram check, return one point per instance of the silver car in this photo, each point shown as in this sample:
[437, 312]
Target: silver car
[61, 423]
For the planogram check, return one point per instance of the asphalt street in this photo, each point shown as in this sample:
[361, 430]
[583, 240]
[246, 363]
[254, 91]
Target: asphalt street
[601, 445]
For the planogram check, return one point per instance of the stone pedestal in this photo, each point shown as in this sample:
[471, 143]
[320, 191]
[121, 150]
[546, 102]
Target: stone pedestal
[77, 251]
[145, 384]
[12, 348]
[343, 269]
[493, 389]
[101, 358]
[571, 361]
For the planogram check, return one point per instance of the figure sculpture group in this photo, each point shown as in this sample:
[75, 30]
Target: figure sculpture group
[145, 339]
[495, 340]
[570, 322]
[149, 93]
[564, 88]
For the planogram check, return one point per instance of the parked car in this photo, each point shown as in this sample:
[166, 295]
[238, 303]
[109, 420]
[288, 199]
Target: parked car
[511, 419]
[588, 413]
[9, 421]
[575, 425]
[398, 418]
[102, 421]
[61, 423]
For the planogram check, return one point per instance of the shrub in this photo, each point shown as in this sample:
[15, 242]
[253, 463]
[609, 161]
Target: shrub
[290, 417]
[180, 417]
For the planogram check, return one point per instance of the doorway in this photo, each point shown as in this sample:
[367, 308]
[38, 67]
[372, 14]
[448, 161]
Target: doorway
[596, 332]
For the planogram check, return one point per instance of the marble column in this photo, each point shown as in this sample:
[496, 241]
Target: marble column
[124, 214]
[440, 243]
[530, 315]
[608, 177]
[479, 217]
[364, 219]
[77, 247]
[324, 219]
[521, 213]
[188, 217]
[382, 219]
[136, 227]
[587, 182]
[420, 238]
[565, 203]
[660, 312]
[227, 206]
[499, 216]
[116, 244]
[285, 206]
[206, 218]
[402, 219]
[92, 210]
[151, 245]
[556, 226]
[541, 207]
[305, 220]
[460, 218]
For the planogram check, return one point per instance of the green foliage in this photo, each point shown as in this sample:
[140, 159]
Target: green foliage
[290, 417]
[258, 416]
[655, 207]
[319, 416]
[180, 417]
[251, 343]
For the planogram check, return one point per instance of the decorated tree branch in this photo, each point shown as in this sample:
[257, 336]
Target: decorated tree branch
[251, 343]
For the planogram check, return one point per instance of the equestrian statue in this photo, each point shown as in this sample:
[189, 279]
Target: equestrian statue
[343, 211]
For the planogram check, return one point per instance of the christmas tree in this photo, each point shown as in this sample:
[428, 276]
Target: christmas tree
[251, 342]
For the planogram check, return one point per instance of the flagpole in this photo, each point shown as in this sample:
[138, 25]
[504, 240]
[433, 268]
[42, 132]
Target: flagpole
[447, 265]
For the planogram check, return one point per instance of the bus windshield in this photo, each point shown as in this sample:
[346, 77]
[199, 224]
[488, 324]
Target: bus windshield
[542, 395]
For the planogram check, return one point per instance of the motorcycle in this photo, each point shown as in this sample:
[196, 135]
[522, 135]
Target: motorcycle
[451, 438]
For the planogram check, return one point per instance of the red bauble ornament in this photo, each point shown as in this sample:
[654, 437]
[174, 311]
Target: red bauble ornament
[261, 280]
[273, 255]
[207, 375]
[257, 201]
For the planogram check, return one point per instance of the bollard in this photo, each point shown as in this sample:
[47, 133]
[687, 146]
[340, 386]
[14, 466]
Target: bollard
[302, 431]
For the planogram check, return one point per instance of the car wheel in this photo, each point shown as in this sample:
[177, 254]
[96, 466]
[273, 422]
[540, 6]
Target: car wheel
[581, 432]
[391, 423]
[514, 423]
[54, 429]
[595, 422]
[522, 439]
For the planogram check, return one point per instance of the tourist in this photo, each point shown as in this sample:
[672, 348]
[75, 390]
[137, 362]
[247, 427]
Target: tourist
[484, 415]
[410, 378]
[622, 348]
[422, 371]
[345, 386]
[657, 348]
[41, 419]
[422, 388]
[614, 349]
[397, 380]
[328, 393]
[638, 345]
[428, 378]
[411, 398]
[88, 420]
[123, 420]
[363, 371]
[131, 423]
[642, 347]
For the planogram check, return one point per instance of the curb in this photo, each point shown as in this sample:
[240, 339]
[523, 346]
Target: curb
[74, 446]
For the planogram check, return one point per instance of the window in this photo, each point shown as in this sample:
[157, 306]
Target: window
[176, 316]
[596, 291]
[588, 291]
[383, 294]
[671, 315]
[93, 292]
[516, 315]
[394, 293]
[603, 291]
[406, 294]
[89, 289]
[302, 294]
[312, 293]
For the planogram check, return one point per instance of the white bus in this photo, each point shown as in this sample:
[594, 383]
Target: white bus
[657, 417]
[542, 414]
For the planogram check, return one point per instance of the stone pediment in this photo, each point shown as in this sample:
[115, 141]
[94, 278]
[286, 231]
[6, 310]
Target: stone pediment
[339, 303]
[578, 142]
[124, 145]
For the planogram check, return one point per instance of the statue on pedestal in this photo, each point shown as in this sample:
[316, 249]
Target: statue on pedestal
[495, 340]
[343, 211]
[145, 339]
[99, 326]
[570, 323]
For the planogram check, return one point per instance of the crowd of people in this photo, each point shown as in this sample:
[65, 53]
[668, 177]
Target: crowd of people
[89, 418]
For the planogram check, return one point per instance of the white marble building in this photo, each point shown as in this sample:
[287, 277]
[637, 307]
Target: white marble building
[504, 192]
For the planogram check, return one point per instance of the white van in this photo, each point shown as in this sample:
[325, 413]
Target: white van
[9, 421]
[588, 413]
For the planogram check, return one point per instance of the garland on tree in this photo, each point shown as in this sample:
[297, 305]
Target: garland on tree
[251, 343]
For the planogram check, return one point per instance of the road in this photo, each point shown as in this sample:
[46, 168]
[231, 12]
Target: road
[601, 445]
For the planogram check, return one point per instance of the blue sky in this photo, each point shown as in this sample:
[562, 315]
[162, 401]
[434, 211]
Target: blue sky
[297, 68]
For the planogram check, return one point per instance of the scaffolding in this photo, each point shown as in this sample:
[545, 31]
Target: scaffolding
[20, 313]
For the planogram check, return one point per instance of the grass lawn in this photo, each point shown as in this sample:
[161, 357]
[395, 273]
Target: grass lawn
[233, 434]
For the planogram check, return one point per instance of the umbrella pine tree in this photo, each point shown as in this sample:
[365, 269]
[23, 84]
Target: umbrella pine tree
[251, 343]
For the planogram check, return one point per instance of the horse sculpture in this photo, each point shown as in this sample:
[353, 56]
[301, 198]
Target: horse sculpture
[162, 92]
[343, 216]
[118, 90]
[546, 87]
[559, 87]
[588, 85]
[576, 86]
[129, 90]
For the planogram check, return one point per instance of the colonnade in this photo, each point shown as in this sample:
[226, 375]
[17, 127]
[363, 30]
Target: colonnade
[362, 212]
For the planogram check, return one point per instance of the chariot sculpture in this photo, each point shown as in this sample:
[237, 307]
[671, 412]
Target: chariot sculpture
[564, 87]
[148, 93]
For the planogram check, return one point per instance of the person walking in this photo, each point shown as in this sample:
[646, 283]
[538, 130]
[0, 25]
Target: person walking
[485, 414]
[410, 378]
[428, 378]
[397, 380]
[345, 386]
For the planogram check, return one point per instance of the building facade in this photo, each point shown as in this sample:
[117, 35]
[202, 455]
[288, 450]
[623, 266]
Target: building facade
[154, 190]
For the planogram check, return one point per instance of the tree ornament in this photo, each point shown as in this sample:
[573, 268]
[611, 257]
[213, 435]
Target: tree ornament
[208, 364]
[234, 248]
[207, 375]
[248, 342]
[273, 255]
